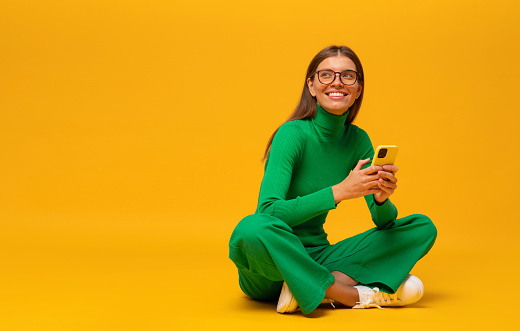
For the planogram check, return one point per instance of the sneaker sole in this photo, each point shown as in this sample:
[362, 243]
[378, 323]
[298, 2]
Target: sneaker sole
[286, 302]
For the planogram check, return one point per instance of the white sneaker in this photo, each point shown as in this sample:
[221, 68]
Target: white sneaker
[410, 291]
[287, 303]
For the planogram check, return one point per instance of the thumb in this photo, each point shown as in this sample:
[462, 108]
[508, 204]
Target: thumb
[361, 163]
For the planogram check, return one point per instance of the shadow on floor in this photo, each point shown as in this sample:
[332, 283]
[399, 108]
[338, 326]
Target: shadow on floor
[247, 304]
[430, 299]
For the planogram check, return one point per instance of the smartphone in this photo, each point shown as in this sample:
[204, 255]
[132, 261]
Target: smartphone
[385, 154]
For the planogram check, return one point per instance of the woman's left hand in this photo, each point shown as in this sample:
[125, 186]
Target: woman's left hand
[387, 183]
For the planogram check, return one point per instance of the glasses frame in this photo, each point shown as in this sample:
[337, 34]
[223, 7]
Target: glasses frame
[358, 76]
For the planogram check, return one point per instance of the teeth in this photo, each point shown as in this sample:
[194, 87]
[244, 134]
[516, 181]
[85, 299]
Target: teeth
[335, 94]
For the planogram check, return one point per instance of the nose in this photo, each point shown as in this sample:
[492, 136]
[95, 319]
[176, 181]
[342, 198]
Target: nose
[337, 79]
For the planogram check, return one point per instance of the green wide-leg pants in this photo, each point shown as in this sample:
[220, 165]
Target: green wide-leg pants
[267, 253]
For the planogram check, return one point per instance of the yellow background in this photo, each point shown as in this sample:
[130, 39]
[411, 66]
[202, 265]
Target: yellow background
[131, 135]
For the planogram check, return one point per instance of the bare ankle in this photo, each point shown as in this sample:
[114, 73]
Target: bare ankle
[344, 294]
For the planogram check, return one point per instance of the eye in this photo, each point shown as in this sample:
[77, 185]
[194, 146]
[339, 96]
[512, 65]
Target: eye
[348, 75]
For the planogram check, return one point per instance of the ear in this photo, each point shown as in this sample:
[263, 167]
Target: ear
[358, 93]
[310, 84]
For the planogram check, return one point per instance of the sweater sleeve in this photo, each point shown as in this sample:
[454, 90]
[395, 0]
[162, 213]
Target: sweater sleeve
[382, 215]
[286, 149]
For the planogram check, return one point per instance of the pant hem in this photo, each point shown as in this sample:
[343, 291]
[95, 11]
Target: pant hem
[310, 308]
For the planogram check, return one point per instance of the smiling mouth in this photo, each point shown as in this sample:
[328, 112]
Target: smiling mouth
[335, 94]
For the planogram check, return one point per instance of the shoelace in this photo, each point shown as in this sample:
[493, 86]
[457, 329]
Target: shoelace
[368, 303]
[327, 300]
[383, 298]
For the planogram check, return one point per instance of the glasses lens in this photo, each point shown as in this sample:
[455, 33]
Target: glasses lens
[326, 76]
[348, 77]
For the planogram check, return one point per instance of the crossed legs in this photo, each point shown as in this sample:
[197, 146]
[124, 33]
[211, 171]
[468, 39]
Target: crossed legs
[267, 253]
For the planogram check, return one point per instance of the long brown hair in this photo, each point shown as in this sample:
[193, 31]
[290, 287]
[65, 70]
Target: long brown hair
[306, 108]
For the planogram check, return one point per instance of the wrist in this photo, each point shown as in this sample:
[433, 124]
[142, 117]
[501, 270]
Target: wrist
[338, 193]
[379, 202]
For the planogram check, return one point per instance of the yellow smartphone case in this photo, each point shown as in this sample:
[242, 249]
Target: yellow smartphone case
[389, 158]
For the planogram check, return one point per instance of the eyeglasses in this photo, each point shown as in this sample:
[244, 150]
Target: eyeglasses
[347, 77]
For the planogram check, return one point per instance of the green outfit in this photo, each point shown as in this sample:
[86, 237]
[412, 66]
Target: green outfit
[285, 240]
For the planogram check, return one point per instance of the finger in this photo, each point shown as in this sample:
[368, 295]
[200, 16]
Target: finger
[373, 191]
[387, 176]
[361, 163]
[384, 174]
[372, 169]
[391, 168]
[371, 179]
[383, 188]
[373, 184]
[386, 185]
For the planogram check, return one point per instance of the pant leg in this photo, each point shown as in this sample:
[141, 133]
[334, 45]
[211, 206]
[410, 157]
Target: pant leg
[382, 257]
[266, 253]
[259, 287]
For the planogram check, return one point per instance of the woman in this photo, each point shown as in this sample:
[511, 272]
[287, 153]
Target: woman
[314, 161]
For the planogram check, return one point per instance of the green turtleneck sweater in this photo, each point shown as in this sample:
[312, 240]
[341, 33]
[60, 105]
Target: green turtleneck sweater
[306, 159]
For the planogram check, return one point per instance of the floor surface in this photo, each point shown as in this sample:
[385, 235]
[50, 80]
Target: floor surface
[122, 275]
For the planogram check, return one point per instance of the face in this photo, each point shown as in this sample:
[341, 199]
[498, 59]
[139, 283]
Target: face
[342, 96]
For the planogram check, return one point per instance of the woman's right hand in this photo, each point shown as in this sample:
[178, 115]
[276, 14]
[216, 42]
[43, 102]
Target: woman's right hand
[358, 183]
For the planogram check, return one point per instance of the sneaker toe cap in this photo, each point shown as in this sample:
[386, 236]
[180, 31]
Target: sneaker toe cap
[411, 290]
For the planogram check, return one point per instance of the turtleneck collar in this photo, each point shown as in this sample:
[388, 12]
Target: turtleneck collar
[329, 126]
